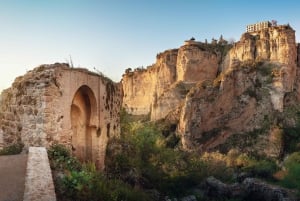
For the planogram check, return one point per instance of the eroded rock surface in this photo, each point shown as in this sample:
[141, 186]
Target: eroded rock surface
[218, 95]
[249, 189]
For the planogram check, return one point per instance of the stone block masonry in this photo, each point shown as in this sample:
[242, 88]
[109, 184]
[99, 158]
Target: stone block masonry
[56, 104]
[38, 183]
[1, 139]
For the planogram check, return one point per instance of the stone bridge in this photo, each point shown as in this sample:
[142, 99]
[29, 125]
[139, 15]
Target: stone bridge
[59, 104]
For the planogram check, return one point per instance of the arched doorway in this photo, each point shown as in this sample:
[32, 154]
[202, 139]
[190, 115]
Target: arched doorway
[83, 113]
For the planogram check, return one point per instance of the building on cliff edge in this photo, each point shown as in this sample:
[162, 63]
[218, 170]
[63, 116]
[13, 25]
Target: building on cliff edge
[258, 26]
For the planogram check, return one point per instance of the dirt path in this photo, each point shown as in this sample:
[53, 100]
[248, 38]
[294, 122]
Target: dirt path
[12, 177]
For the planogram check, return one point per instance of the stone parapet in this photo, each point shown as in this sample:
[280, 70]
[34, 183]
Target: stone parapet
[1, 139]
[38, 182]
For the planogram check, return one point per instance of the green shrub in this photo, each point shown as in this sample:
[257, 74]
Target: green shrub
[84, 182]
[60, 158]
[292, 138]
[292, 179]
[292, 159]
[88, 185]
[77, 184]
[292, 165]
[262, 168]
[144, 157]
[12, 149]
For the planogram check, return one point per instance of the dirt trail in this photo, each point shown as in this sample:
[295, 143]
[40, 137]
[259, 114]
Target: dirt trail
[12, 177]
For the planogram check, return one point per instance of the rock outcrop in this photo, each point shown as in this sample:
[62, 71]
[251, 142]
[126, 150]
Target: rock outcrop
[219, 95]
[275, 44]
[142, 86]
[251, 189]
[155, 90]
[58, 104]
[195, 64]
[258, 73]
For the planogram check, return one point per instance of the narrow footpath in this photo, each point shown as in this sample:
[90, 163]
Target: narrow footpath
[12, 177]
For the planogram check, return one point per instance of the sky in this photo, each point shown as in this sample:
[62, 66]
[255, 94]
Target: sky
[112, 35]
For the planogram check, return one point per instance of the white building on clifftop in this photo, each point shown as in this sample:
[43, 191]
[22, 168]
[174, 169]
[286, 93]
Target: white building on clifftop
[258, 26]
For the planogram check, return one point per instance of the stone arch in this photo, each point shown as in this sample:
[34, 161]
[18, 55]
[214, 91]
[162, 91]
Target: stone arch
[83, 121]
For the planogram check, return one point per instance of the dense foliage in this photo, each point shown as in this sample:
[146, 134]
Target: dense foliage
[74, 181]
[146, 163]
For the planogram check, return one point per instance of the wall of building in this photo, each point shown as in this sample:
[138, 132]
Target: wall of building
[1, 139]
[58, 104]
[298, 54]
[38, 183]
[258, 26]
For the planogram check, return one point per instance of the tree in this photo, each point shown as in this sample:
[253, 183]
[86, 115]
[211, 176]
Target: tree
[213, 41]
[222, 41]
[274, 23]
[231, 41]
[128, 70]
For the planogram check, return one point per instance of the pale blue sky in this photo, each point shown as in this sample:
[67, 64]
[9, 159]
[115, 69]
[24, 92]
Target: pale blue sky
[113, 35]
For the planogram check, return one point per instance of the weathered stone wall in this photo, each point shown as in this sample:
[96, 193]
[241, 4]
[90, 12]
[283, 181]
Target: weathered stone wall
[1, 139]
[22, 108]
[298, 54]
[38, 183]
[38, 109]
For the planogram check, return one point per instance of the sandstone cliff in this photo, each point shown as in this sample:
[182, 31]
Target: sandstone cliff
[145, 90]
[248, 98]
[218, 97]
[142, 86]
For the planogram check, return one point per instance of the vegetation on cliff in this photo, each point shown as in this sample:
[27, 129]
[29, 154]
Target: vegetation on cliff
[147, 163]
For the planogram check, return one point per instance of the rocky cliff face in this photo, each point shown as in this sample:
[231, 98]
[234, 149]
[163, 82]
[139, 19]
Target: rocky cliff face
[250, 93]
[248, 97]
[162, 86]
[275, 44]
[142, 86]
[195, 64]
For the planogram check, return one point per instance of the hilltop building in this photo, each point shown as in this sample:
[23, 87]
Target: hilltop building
[258, 26]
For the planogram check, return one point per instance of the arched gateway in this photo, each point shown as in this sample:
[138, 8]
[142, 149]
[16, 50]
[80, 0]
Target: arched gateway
[83, 118]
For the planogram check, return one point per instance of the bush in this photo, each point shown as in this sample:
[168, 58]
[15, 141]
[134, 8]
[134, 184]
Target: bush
[292, 165]
[90, 185]
[12, 149]
[292, 179]
[262, 168]
[292, 138]
[61, 159]
[292, 159]
[143, 158]
[74, 181]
